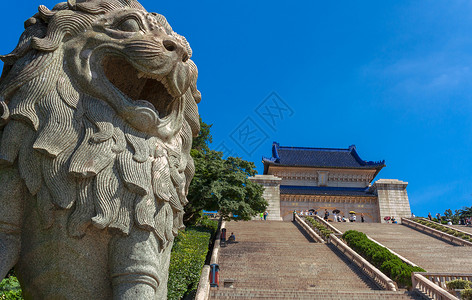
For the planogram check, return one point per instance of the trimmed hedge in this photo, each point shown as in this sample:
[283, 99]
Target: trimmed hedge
[459, 284]
[444, 229]
[324, 232]
[188, 257]
[387, 262]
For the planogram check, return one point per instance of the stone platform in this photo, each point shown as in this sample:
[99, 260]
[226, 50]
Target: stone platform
[276, 260]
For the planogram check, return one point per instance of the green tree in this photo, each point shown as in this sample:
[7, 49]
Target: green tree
[465, 212]
[454, 217]
[448, 213]
[221, 184]
[204, 138]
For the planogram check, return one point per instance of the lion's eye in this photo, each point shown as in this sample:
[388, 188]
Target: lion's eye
[130, 25]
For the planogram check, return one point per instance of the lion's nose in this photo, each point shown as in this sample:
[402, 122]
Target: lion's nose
[173, 46]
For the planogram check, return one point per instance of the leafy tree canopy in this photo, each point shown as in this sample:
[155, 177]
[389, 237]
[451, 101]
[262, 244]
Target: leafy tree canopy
[221, 184]
[458, 214]
[204, 138]
[466, 212]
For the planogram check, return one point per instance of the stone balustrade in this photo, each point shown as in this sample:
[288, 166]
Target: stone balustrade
[436, 233]
[451, 227]
[370, 270]
[203, 290]
[440, 279]
[432, 290]
[338, 232]
[327, 225]
[308, 229]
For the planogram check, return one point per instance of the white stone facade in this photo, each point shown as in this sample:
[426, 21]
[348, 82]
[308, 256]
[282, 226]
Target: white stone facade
[271, 185]
[389, 196]
[393, 198]
[306, 178]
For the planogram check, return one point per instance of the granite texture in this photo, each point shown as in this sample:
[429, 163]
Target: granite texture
[98, 106]
[393, 199]
[271, 194]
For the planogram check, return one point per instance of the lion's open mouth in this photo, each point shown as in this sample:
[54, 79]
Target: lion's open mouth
[138, 86]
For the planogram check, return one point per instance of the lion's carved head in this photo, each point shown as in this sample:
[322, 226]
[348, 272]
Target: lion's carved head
[98, 104]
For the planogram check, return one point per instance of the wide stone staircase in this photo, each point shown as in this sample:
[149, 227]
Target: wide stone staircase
[277, 260]
[430, 253]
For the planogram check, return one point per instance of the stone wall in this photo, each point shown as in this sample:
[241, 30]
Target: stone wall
[366, 205]
[393, 198]
[271, 194]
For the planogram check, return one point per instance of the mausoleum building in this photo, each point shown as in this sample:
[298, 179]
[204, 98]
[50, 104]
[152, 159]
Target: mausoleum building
[302, 178]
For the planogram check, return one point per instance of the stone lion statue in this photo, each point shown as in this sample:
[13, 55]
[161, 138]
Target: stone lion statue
[98, 106]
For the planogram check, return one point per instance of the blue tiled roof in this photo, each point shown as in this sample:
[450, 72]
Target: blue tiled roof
[325, 191]
[319, 157]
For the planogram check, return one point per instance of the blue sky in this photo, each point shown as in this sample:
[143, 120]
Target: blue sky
[391, 77]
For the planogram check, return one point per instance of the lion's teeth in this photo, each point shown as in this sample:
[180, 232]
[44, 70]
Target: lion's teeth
[141, 75]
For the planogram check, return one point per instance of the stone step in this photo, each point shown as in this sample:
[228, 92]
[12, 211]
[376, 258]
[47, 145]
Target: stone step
[259, 293]
[430, 253]
[279, 255]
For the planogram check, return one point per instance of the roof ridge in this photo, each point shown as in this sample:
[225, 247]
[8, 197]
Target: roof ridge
[318, 157]
[314, 148]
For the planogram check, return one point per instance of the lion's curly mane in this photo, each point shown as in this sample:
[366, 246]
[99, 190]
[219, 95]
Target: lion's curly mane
[73, 151]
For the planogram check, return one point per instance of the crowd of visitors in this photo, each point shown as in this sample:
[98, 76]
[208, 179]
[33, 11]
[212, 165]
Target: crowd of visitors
[467, 221]
[335, 216]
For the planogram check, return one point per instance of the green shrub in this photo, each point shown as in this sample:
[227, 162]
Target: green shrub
[206, 222]
[445, 229]
[10, 289]
[187, 259]
[387, 262]
[466, 294]
[458, 284]
[323, 231]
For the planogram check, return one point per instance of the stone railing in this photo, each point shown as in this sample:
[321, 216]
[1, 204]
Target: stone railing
[440, 279]
[327, 225]
[370, 270]
[203, 290]
[451, 227]
[308, 229]
[338, 232]
[422, 281]
[436, 233]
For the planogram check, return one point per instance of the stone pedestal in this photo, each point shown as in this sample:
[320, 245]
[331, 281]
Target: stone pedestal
[271, 194]
[392, 198]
